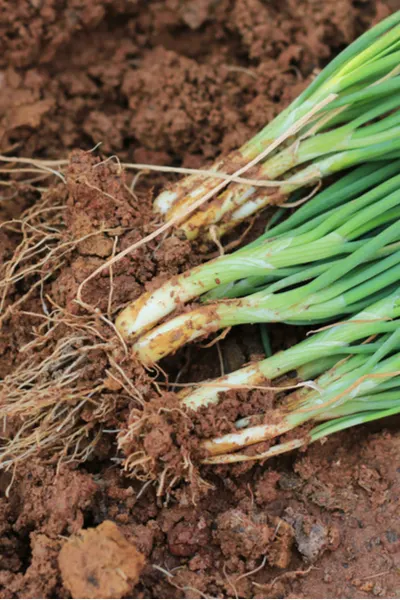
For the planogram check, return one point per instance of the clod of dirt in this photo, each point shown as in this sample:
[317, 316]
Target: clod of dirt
[100, 563]
[312, 537]
[255, 535]
[280, 551]
[266, 490]
[312, 542]
[238, 533]
[185, 539]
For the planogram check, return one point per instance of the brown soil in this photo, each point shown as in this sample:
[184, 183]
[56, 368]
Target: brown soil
[174, 82]
[99, 561]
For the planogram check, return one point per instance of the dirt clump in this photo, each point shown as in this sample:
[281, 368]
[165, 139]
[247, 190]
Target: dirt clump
[267, 490]
[240, 535]
[55, 504]
[100, 563]
[312, 537]
[255, 535]
[42, 507]
[186, 538]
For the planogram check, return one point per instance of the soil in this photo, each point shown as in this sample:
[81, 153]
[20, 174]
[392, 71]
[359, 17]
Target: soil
[175, 83]
[99, 561]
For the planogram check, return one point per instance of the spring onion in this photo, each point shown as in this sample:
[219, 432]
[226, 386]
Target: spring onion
[329, 127]
[345, 374]
[375, 319]
[354, 391]
[331, 263]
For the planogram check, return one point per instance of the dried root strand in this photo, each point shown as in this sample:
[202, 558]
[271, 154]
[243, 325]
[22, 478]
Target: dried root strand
[49, 403]
[39, 253]
[70, 381]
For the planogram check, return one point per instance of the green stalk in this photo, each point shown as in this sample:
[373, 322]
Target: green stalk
[343, 287]
[320, 431]
[318, 208]
[339, 375]
[362, 77]
[376, 319]
[286, 278]
[350, 389]
[345, 146]
[307, 237]
[374, 43]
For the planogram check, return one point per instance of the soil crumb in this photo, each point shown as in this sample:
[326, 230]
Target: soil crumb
[100, 563]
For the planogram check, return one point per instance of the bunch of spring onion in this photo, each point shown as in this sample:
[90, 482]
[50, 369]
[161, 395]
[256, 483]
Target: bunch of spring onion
[329, 127]
[329, 259]
[356, 366]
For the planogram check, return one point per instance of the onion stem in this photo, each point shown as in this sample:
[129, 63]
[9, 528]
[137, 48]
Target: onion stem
[363, 79]
[356, 256]
[352, 392]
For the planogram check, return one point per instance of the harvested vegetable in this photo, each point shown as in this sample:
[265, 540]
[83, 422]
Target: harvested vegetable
[325, 263]
[323, 131]
[376, 319]
[365, 387]
[346, 374]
